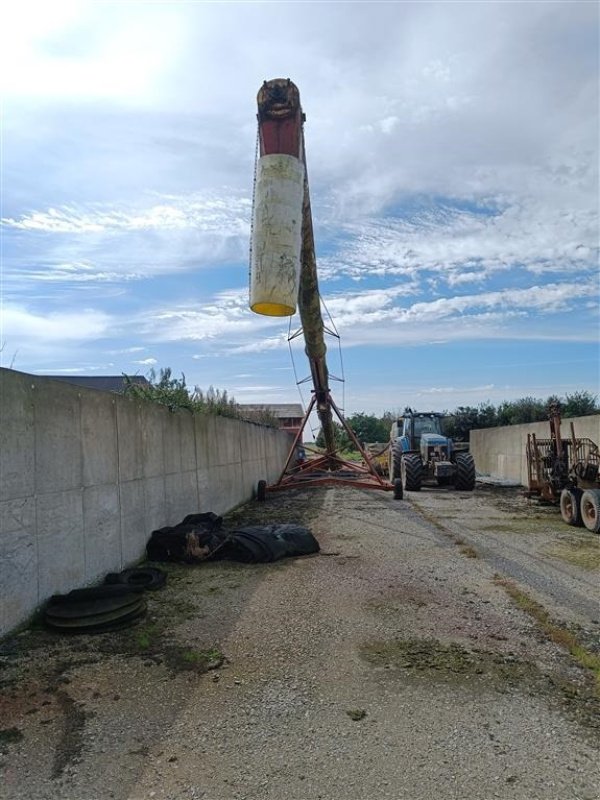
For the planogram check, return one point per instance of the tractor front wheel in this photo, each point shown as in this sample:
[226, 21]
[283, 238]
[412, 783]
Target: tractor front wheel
[261, 491]
[398, 492]
[394, 461]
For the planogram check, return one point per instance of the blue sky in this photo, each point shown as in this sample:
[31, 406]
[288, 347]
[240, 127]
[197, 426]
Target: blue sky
[453, 159]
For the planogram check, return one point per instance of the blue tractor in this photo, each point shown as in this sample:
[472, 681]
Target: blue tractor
[420, 453]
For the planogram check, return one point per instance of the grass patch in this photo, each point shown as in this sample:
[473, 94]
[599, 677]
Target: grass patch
[146, 637]
[469, 552]
[356, 714]
[581, 553]
[449, 662]
[558, 634]
[183, 659]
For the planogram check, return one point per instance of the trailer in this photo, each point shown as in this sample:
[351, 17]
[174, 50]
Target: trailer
[565, 472]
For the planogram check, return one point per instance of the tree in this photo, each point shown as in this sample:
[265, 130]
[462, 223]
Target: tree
[368, 428]
[580, 404]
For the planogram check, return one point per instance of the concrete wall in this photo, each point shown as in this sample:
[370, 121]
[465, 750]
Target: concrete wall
[85, 476]
[500, 452]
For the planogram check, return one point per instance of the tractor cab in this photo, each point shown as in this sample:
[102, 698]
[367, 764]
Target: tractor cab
[412, 427]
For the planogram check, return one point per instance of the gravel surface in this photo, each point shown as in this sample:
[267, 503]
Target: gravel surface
[393, 665]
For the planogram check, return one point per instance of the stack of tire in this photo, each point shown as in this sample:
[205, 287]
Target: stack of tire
[117, 604]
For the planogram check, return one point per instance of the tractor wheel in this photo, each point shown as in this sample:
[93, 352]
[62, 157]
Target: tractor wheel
[412, 472]
[398, 492]
[261, 491]
[465, 472]
[590, 509]
[394, 462]
[570, 506]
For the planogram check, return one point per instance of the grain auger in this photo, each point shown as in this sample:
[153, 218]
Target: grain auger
[283, 277]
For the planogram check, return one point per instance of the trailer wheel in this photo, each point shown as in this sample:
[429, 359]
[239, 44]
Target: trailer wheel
[570, 506]
[398, 491]
[465, 472]
[590, 509]
[261, 491]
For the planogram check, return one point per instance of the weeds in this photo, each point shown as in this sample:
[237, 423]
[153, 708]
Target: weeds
[558, 634]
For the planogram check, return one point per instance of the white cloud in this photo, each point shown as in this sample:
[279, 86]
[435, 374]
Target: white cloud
[22, 325]
[147, 362]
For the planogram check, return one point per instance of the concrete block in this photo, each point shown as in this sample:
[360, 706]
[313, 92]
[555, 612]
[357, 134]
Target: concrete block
[61, 553]
[153, 421]
[134, 533]
[99, 438]
[130, 444]
[17, 443]
[58, 457]
[102, 531]
[181, 496]
[155, 515]
[18, 562]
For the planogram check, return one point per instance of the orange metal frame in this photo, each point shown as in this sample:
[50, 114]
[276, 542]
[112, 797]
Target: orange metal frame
[329, 468]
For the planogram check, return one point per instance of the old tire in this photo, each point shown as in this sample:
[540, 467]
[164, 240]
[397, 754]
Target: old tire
[261, 491]
[395, 462]
[398, 491]
[570, 506]
[590, 509]
[145, 577]
[465, 472]
[412, 472]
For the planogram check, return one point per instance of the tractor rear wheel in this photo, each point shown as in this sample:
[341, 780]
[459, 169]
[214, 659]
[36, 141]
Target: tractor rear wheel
[570, 506]
[465, 472]
[412, 472]
[590, 509]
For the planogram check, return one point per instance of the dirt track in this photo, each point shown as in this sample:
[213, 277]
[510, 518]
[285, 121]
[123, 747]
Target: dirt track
[394, 665]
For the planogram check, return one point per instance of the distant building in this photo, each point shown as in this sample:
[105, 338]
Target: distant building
[104, 383]
[289, 415]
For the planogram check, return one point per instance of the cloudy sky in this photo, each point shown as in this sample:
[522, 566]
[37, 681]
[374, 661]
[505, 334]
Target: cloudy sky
[452, 151]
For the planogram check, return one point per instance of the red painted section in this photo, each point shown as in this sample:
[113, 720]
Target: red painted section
[281, 136]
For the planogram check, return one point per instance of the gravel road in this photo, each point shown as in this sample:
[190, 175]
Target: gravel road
[392, 665]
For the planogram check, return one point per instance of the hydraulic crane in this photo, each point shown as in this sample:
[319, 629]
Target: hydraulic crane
[283, 271]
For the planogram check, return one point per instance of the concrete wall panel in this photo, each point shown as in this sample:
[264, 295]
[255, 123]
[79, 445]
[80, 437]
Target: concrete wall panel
[155, 512]
[187, 441]
[18, 561]
[133, 521]
[130, 439]
[152, 421]
[98, 439]
[61, 552]
[17, 443]
[181, 496]
[101, 531]
[57, 431]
